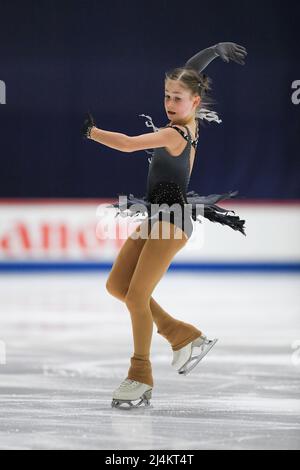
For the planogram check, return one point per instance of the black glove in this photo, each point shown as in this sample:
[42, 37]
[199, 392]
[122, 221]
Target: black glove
[231, 51]
[87, 126]
[225, 50]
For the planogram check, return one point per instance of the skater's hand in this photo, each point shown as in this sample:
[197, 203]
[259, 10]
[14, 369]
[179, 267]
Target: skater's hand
[231, 51]
[88, 124]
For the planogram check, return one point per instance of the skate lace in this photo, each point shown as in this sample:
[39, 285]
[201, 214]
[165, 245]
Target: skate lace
[127, 383]
[205, 342]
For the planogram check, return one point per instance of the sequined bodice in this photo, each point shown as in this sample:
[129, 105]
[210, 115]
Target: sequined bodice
[164, 169]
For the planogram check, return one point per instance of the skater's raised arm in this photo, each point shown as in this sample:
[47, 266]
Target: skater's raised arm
[201, 60]
[226, 50]
[125, 143]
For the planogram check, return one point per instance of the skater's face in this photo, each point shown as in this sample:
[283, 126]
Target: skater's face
[179, 100]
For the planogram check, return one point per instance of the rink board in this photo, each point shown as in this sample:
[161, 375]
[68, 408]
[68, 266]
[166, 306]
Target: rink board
[78, 234]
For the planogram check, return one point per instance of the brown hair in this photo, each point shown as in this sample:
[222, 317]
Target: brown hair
[198, 84]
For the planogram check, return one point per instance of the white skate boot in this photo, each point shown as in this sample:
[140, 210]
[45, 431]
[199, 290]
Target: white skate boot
[183, 358]
[130, 391]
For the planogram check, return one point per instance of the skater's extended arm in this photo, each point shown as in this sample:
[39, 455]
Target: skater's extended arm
[165, 137]
[126, 143]
[226, 50]
[115, 140]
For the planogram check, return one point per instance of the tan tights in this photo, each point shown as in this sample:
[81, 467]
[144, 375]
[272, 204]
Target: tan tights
[139, 266]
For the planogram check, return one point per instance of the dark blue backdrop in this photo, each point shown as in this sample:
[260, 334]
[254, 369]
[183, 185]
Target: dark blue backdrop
[61, 58]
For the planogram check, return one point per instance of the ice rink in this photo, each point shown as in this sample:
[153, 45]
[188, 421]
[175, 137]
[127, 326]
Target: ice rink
[68, 345]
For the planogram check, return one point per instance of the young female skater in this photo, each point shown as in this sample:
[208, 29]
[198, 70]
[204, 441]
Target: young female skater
[143, 260]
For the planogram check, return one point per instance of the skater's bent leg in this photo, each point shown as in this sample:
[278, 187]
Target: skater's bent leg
[125, 263]
[176, 332]
[120, 277]
[154, 260]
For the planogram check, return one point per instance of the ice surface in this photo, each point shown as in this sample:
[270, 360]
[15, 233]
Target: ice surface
[68, 344]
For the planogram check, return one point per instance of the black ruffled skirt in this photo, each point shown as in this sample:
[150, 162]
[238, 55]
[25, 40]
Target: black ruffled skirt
[169, 193]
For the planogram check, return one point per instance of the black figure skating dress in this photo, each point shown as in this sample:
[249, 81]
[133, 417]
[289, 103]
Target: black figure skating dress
[167, 184]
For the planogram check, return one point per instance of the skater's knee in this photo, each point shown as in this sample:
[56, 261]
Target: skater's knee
[136, 298]
[115, 290]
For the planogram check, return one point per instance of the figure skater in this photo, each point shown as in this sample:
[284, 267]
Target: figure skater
[143, 260]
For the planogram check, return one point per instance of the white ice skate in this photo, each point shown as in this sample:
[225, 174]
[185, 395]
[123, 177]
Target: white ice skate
[183, 359]
[131, 391]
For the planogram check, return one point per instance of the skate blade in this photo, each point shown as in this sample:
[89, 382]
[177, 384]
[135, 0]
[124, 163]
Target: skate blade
[184, 370]
[129, 404]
